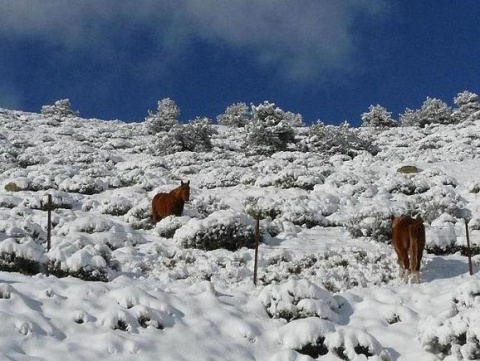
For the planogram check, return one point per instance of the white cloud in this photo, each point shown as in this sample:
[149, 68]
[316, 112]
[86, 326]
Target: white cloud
[300, 40]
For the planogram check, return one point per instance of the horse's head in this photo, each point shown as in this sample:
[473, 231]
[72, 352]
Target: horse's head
[184, 191]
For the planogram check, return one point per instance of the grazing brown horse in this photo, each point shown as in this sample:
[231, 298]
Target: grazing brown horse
[408, 239]
[167, 204]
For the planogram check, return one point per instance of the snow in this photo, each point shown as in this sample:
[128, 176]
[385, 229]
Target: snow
[321, 293]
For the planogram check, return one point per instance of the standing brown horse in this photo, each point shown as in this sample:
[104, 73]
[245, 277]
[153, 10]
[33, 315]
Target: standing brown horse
[408, 238]
[167, 204]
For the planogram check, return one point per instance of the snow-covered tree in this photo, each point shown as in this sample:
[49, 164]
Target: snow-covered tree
[433, 111]
[271, 128]
[468, 106]
[236, 115]
[378, 117]
[60, 109]
[165, 118]
[194, 136]
[341, 139]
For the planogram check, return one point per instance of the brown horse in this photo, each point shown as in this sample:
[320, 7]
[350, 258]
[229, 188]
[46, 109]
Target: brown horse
[408, 239]
[172, 203]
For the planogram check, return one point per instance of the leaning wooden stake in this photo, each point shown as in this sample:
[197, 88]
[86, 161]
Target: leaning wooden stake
[469, 250]
[257, 242]
[49, 221]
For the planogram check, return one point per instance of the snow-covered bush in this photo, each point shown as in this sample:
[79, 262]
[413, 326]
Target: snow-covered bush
[23, 255]
[207, 204]
[298, 299]
[194, 137]
[236, 116]
[139, 216]
[316, 338]
[433, 111]
[376, 226]
[342, 139]
[169, 225]
[225, 229]
[59, 110]
[468, 106]
[291, 178]
[164, 119]
[271, 129]
[404, 183]
[83, 184]
[303, 212]
[433, 203]
[378, 117]
[455, 333]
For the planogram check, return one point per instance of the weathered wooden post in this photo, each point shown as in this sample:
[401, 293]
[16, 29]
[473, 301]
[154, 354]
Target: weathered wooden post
[49, 222]
[469, 250]
[254, 210]
[257, 243]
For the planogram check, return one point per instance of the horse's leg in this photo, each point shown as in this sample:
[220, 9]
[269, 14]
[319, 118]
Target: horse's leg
[415, 251]
[155, 215]
[405, 264]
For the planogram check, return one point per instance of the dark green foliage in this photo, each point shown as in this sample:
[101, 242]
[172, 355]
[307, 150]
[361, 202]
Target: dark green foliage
[314, 350]
[230, 237]
[10, 262]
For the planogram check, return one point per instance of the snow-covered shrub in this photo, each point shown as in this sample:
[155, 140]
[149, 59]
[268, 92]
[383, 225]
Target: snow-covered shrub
[376, 226]
[468, 106]
[262, 208]
[342, 139]
[378, 117]
[221, 177]
[225, 229]
[291, 178]
[9, 201]
[165, 118]
[455, 333]
[236, 115]
[404, 183]
[441, 236]
[139, 216]
[194, 137]
[435, 202]
[316, 338]
[83, 185]
[115, 206]
[271, 129]
[88, 224]
[23, 255]
[59, 200]
[433, 111]
[28, 159]
[303, 212]
[59, 110]
[298, 299]
[168, 226]
[207, 204]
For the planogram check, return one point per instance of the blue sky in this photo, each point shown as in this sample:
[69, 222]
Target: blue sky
[325, 59]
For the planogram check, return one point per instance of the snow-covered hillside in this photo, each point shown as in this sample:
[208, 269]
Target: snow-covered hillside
[115, 287]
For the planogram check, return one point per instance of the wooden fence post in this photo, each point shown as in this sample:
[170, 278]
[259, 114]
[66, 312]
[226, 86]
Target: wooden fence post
[469, 250]
[49, 222]
[257, 242]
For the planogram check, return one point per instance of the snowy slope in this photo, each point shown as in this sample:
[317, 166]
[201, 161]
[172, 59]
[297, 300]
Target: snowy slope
[321, 292]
